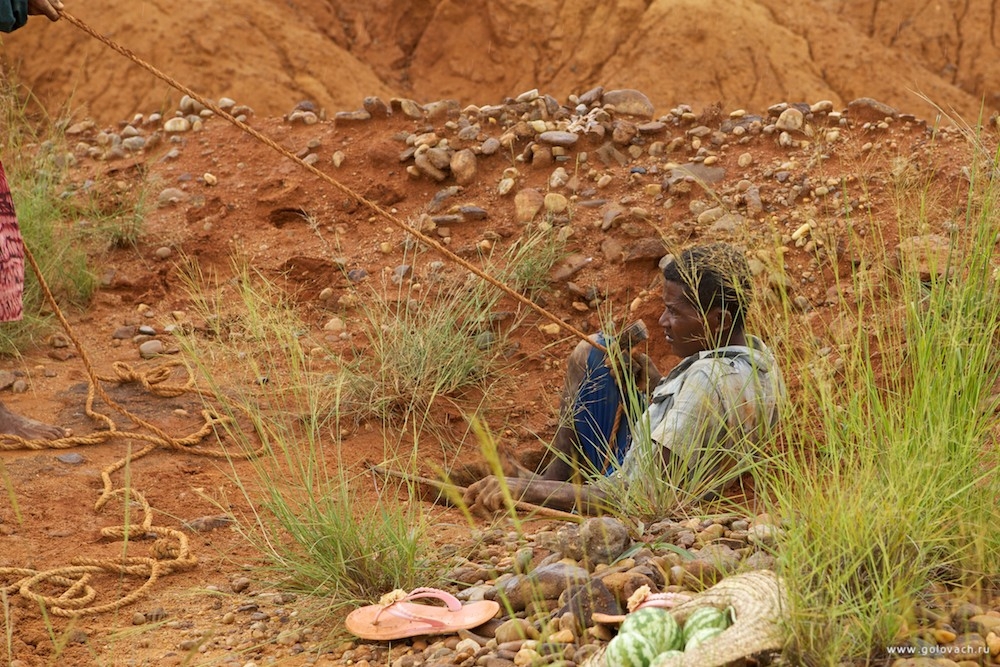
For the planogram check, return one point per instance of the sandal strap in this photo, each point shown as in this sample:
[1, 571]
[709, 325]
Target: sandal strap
[453, 603]
[397, 610]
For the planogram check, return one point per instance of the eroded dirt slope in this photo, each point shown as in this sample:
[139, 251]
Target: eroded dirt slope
[741, 54]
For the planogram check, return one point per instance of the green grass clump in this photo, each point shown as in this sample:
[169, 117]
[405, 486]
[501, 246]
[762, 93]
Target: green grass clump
[887, 483]
[422, 347]
[305, 516]
[529, 263]
[440, 341]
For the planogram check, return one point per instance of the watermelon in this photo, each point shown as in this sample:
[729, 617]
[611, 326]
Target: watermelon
[701, 636]
[702, 618]
[656, 625]
[666, 658]
[630, 650]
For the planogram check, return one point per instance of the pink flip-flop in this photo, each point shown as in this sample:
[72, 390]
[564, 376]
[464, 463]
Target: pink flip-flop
[395, 617]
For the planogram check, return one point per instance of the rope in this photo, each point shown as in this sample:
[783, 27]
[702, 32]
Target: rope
[170, 551]
[425, 239]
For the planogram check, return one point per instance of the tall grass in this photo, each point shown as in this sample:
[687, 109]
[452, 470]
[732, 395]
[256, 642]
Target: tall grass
[304, 515]
[887, 481]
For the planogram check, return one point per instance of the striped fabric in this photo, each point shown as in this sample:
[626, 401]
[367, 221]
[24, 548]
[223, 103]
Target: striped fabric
[11, 256]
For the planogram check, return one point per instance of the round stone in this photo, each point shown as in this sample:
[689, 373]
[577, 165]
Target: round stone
[555, 202]
[790, 120]
[558, 138]
[151, 348]
[175, 125]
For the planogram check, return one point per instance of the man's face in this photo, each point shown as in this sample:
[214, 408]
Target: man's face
[685, 327]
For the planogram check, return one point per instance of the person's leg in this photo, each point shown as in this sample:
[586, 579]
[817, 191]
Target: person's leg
[27, 428]
[11, 291]
[591, 436]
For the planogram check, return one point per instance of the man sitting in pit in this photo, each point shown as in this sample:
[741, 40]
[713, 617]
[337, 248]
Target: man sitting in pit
[705, 416]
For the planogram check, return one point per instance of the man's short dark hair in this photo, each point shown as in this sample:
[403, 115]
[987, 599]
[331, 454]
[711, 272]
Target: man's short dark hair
[713, 275]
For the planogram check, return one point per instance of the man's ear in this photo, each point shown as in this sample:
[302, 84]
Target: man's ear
[720, 321]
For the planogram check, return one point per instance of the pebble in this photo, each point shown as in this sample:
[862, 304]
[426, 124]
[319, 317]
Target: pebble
[170, 196]
[764, 534]
[558, 138]
[555, 202]
[527, 203]
[790, 120]
[71, 458]
[334, 324]
[134, 144]
[463, 166]
[401, 273]
[240, 584]
[156, 614]
[629, 101]
[163, 252]
[375, 106]
[177, 125]
[151, 348]
[552, 329]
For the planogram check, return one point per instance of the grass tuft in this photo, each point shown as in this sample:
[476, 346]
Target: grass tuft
[887, 485]
[311, 519]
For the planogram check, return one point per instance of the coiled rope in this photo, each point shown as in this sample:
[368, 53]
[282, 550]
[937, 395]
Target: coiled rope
[170, 551]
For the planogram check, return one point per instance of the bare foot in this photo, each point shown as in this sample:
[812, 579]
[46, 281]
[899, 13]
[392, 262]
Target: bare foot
[27, 428]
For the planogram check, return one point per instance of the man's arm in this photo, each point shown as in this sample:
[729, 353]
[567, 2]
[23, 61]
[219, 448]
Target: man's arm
[14, 13]
[486, 495]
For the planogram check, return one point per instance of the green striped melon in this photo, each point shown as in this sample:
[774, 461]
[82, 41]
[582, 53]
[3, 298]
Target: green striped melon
[656, 625]
[702, 618]
[666, 658]
[699, 637]
[630, 650]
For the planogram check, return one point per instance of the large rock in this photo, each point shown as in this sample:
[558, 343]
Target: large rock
[928, 256]
[546, 582]
[603, 539]
[583, 599]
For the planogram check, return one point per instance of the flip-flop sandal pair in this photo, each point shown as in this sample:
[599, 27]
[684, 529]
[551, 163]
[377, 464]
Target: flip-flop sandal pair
[396, 617]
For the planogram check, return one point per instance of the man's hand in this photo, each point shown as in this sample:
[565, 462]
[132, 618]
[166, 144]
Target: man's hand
[637, 369]
[486, 496]
[49, 8]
